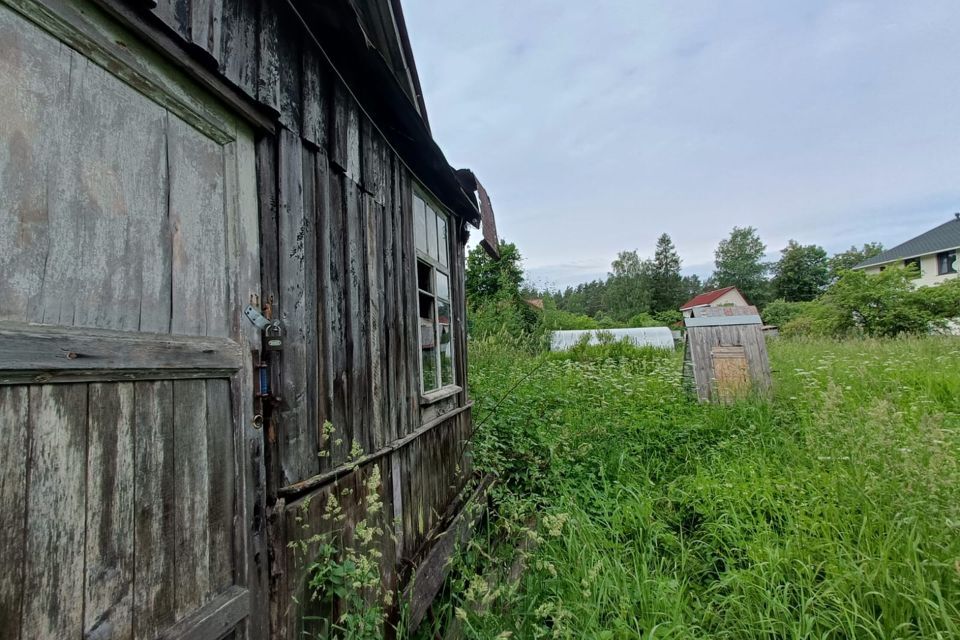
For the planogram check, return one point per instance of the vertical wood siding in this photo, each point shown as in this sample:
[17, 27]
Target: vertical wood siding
[126, 504]
[145, 482]
[117, 212]
[344, 283]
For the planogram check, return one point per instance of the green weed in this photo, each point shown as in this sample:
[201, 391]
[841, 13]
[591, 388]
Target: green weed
[830, 511]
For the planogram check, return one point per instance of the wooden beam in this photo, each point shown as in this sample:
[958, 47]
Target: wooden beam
[722, 321]
[432, 572]
[214, 620]
[36, 353]
[325, 478]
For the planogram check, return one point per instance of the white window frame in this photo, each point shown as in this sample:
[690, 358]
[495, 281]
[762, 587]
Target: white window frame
[432, 213]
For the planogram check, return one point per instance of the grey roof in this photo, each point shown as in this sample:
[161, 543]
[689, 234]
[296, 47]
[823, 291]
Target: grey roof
[942, 238]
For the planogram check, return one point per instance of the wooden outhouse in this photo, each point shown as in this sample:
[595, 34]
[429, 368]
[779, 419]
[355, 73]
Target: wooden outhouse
[231, 289]
[725, 353]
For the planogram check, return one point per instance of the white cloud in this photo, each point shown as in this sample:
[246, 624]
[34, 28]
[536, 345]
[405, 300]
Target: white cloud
[598, 126]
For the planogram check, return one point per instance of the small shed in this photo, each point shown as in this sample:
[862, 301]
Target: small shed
[657, 337]
[725, 355]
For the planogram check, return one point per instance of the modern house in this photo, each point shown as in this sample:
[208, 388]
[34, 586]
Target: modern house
[934, 252]
[231, 319]
[726, 297]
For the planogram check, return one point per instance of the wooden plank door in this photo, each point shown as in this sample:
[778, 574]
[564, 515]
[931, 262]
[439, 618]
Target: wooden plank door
[731, 373]
[131, 483]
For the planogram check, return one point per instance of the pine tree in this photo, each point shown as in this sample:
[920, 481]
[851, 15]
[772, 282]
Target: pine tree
[666, 283]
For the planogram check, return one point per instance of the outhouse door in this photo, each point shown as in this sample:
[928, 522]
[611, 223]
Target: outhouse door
[130, 476]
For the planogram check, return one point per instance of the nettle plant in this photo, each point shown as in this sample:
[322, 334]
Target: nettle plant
[345, 597]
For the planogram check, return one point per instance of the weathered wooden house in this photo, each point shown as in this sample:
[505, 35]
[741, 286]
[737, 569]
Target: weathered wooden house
[231, 267]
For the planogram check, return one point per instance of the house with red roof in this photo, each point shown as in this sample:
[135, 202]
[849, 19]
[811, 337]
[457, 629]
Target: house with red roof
[726, 297]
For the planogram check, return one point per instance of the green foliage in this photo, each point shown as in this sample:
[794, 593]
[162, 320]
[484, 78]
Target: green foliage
[801, 273]
[494, 302]
[344, 594]
[780, 312]
[489, 280]
[508, 317]
[627, 290]
[692, 286]
[830, 511]
[643, 320]
[884, 304]
[668, 318]
[584, 299]
[556, 320]
[739, 263]
[846, 260]
[941, 301]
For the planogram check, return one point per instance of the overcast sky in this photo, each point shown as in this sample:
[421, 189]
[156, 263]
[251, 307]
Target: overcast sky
[596, 126]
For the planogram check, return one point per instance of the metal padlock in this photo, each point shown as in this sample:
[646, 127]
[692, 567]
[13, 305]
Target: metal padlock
[273, 337]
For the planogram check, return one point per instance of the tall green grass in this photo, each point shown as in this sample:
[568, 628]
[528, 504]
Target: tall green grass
[831, 511]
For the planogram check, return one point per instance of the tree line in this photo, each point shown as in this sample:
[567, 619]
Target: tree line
[638, 291]
[805, 291]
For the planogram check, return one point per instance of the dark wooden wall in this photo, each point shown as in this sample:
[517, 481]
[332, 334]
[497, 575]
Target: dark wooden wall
[131, 491]
[337, 258]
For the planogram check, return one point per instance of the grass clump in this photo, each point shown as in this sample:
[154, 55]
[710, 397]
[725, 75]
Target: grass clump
[831, 511]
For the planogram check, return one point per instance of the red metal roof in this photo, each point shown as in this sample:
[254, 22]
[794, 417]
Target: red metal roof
[706, 298]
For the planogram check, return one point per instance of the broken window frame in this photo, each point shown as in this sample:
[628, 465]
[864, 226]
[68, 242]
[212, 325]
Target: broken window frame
[433, 268]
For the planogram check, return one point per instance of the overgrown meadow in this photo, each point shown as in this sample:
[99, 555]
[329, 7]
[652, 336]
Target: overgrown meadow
[626, 509]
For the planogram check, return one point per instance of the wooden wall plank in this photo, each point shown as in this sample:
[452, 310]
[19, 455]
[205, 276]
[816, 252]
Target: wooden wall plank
[375, 162]
[54, 572]
[238, 60]
[337, 328]
[373, 257]
[25, 220]
[112, 194]
[191, 501]
[315, 98]
[108, 595]
[315, 388]
[176, 15]
[81, 203]
[268, 71]
[339, 101]
[404, 319]
[354, 169]
[154, 523]
[411, 313]
[290, 60]
[39, 353]
[221, 484]
[206, 19]
[252, 555]
[268, 190]
[358, 319]
[345, 133]
[295, 231]
[199, 292]
[391, 322]
[324, 302]
[14, 416]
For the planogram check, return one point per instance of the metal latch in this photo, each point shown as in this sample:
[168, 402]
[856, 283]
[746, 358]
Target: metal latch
[258, 320]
